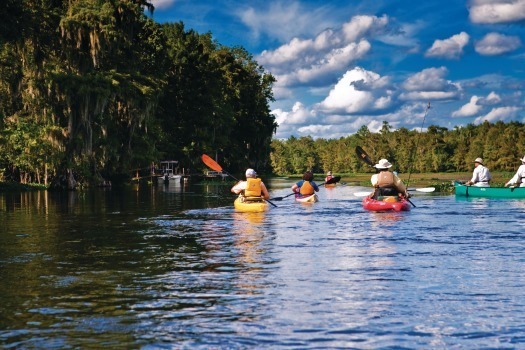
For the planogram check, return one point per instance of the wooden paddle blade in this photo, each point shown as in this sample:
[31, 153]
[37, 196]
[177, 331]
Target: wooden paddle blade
[363, 156]
[211, 163]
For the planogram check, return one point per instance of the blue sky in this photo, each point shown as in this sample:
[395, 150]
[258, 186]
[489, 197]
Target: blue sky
[340, 65]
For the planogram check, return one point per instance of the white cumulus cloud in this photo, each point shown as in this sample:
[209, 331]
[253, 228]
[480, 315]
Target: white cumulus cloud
[494, 44]
[451, 48]
[496, 11]
[317, 61]
[469, 109]
[358, 91]
[499, 114]
[297, 116]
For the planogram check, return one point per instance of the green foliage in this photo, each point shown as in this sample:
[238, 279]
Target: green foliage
[95, 88]
[216, 101]
[438, 149]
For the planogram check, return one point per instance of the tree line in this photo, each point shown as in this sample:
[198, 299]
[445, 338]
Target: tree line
[90, 89]
[437, 149]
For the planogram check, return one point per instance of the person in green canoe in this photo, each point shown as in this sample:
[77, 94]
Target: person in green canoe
[517, 179]
[480, 176]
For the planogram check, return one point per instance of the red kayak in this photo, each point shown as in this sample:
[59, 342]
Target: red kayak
[388, 204]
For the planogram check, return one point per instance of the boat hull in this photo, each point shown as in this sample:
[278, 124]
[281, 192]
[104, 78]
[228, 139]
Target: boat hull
[250, 207]
[375, 205]
[489, 192]
[307, 199]
[329, 185]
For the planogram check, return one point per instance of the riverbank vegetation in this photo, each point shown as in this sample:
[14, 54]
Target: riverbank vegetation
[436, 150]
[91, 89]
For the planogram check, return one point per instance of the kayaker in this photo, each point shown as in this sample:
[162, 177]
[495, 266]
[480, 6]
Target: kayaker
[519, 176]
[307, 186]
[480, 176]
[253, 189]
[386, 183]
[328, 176]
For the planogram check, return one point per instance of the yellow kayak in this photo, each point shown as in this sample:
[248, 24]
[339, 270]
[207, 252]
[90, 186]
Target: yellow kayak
[250, 207]
[307, 199]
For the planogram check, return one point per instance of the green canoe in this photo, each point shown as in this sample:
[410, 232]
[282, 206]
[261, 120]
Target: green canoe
[489, 192]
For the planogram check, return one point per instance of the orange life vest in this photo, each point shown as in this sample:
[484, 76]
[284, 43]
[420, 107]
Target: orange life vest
[253, 187]
[306, 188]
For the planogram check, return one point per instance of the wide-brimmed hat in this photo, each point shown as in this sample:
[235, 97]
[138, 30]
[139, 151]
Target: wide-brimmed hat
[523, 159]
[251, 173]
[479, 160]
[330, 173]
[383, 164]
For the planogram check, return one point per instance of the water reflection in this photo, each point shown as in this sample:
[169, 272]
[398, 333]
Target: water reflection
[158, 267]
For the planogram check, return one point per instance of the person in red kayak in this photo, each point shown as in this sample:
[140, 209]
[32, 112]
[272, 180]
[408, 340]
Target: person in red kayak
[253, 189]
[387, 183]
[307, 186]
[328, 176]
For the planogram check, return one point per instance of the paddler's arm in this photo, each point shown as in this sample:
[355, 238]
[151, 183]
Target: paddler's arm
[238, 187]
[400, 186]
[264, 191]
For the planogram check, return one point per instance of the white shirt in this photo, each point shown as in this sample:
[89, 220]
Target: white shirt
[481, 174]
[239, 186]
[518, 177]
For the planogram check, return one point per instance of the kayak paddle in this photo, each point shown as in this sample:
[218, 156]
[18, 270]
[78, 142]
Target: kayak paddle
[423, 189]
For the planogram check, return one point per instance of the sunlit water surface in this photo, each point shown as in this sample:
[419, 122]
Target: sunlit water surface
[176, 267]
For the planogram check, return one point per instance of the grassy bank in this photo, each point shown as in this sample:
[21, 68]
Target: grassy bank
[18, 187]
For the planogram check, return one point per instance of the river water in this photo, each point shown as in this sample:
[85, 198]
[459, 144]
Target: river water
[175, 267]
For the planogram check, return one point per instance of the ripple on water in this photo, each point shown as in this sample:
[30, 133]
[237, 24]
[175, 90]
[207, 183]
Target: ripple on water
[447, 274]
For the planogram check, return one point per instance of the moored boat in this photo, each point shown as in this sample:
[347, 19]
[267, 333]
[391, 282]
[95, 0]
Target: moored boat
[311, 198]
[489, 192]
[388, 204]
[250, 207]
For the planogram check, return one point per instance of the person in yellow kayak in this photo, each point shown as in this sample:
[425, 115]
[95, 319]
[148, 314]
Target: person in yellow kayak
[307, 186]
[253, 189]
[517, 179]
[386, 183]
[328, 176]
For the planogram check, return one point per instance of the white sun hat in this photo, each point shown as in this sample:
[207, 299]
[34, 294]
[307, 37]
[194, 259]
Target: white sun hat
[479, 160]
[251, 173]
[383, 164]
